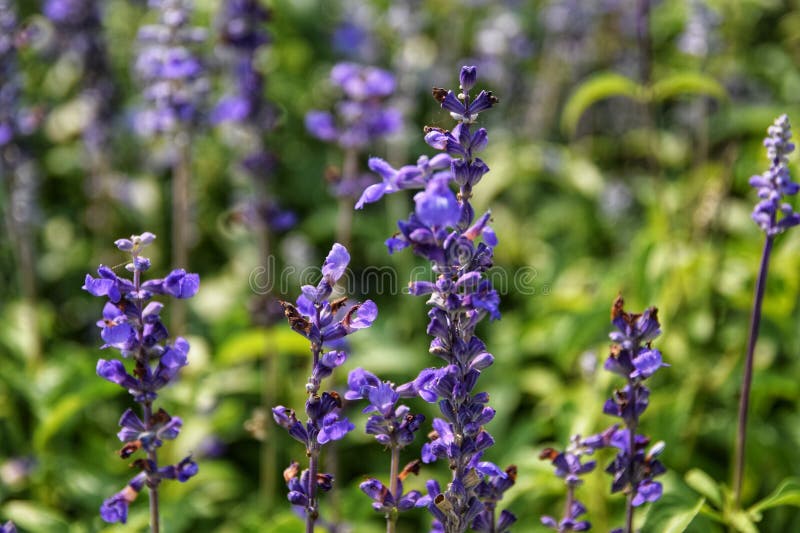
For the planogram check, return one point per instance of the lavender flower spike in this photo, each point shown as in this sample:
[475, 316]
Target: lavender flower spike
[444, 230]
[632, 357]
[393, 427]
[772, 186]
[322, 321]
[569, 467]
[132, 325]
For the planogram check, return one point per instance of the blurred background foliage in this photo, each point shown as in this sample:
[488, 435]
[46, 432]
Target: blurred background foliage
[620, 155]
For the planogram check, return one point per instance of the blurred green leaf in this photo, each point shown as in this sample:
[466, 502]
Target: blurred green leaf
[787, 493]
[599, 87]
[66, 409]
[254, 344]
[742, 522]
[672, 516]
[684, 83]
[30, 516]
[705, 485]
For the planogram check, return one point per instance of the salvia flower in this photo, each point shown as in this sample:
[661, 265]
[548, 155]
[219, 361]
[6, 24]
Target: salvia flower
[8, 527]
[323, 322]
[772, 214]
[171, 72]
[569, 466]
[444, 230]
[632, 357]
[362, 115]
[394, 427]
[131, 324]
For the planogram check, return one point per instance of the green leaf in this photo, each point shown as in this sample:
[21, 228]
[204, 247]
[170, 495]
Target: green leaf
[687, 83]
[254, 344]
[672, 516]
[66, 409]
[741, 522]
[30, 516]
[681, 520]
[599, 87]
[705, 485]
[787, 493]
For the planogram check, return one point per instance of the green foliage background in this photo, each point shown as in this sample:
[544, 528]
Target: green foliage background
[602, 183]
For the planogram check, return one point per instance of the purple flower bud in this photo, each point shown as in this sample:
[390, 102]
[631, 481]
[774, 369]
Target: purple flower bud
[468, 77]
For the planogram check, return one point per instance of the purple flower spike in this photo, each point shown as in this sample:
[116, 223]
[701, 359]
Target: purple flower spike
[633, 357]
[132, 324]
[444, 231]
[324, 323]
[771, 214]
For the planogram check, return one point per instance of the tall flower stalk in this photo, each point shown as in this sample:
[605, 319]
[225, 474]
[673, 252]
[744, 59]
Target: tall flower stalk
[444, 230]
[632, 357]
[175, 86]
[324, 322]
[774, 217]
[242, 35]
[131, 323]
[394, 427]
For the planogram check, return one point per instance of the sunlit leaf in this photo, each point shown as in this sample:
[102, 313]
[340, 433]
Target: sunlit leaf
[705, 485]
[686, 83]
[599, 87]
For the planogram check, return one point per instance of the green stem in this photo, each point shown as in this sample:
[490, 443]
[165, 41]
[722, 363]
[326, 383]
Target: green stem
[747, 378]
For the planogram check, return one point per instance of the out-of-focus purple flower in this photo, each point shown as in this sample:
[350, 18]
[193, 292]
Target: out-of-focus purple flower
[8, 527]
[772, 214]
[79, 31]
[132, 324]
[172, 74]
[362, 116]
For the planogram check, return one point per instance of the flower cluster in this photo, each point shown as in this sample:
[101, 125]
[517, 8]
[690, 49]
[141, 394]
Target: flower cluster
[80, 33]
[776, 182]
[362, 116]
[324, 323]
[131, 323]
[569, 467]
[444, 230]
[171, 72]
[394, 427]
[633, 358]
[242, 34]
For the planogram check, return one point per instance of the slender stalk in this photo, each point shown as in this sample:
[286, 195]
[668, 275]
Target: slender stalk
[631, 455]
[394, 488]
[312, 512]
[180, 220]
[747, 378]
[152, 483]
[344, 220]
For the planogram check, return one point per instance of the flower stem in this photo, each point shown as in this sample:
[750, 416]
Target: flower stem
[747, 378]
[180, 221]
[311, 509]
[152, 482]
[632, 426]
[394, 488]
